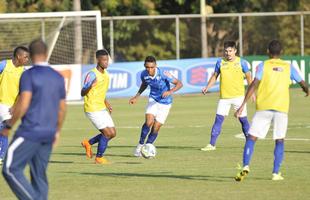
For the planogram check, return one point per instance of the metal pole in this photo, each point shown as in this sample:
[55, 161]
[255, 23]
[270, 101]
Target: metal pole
[112, 38]
[240, 36]
[43, 30]
[204, 45]
[177, 36]
[302, 41]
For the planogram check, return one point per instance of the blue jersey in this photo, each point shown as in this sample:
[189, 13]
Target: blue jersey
[47, 86]
[159, 84]
[294, 73]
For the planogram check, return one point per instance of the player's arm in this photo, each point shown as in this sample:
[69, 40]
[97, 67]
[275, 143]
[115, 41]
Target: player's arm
[211, 82]
[108, 105]
[89, 82]
[19, 111]
[177, 85]
[296, 77]
[143, 86]
[213, 78]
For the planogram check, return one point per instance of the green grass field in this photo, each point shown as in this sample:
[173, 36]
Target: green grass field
[180, 170]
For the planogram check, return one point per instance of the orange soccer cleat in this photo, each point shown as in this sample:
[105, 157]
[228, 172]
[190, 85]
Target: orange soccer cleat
[101, 160]
[87, 146]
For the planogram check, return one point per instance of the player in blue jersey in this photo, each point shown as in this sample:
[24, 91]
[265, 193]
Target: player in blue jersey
[160, 100]
[41, 105]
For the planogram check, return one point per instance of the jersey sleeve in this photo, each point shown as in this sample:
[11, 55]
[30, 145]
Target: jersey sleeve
[295, 74]
[89, 79]
[245, 66]
[168, 76]
[2, 65]
[25, 82]
[217, 68]
[259, 71]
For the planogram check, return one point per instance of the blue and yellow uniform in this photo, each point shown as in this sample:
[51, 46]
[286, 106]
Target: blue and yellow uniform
[231, 77]
[275, 77]
[9, 82]
[94, 99]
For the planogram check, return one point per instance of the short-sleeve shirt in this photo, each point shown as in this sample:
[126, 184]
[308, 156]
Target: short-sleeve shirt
[39, 124]
[159, 84]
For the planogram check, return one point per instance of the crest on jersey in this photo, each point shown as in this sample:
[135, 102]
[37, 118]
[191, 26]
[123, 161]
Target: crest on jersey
[278, 69]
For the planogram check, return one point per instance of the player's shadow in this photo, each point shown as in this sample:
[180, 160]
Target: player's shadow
[297, 151]
[163, 175]
[60, 162]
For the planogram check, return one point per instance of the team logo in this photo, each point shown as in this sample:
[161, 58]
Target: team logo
[119, 80]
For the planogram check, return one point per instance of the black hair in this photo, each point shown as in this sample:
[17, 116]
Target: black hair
[150, 59]
[37, 47]
[229, 43]
[19, 49]
[275, 48]
[101, 52]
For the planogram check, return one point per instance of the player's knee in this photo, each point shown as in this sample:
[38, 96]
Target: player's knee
[149, 123]
[111, 134]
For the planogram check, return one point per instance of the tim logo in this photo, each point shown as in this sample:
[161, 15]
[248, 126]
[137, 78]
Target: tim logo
[119, 80]
[197, 76]
[176, 73]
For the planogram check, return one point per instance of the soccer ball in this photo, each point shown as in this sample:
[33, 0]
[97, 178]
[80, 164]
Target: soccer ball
[148, 151]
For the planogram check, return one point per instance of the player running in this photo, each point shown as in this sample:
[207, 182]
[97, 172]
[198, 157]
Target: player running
[160, 100]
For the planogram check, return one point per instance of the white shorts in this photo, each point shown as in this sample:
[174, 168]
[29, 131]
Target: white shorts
[5, 112]
[224, 105]
[160, 111]
[262, 120]
[100, 119]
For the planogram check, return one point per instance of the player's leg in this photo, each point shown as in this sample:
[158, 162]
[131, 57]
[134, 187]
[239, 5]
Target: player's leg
[4, 142]
[38, 166]
[223, 108]
[19, 153]
[243, 117]
[279, 132]
[108, 132]
[150, 113]
[162, 114]
[259, 129]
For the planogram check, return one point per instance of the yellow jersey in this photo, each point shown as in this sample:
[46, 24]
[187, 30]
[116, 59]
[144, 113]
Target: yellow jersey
[94, 100]
[231, 77]
[9, 82]
[273, 90]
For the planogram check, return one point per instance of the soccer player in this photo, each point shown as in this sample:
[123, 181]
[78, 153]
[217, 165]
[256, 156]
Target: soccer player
[160, 100]
[41, 105]
[232, 70]
[97, 108]
[272, 80]
[10, 73]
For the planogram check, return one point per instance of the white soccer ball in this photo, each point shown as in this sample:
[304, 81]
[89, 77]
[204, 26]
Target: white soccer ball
[148, 151]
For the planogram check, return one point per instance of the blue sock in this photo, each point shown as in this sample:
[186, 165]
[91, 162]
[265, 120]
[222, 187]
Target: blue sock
[216, 129]
[4, 144]
[102, 145]
[278, 156]
[248, 151]
[144, 131]
[95, 139]
[152, 137]
[245, 125]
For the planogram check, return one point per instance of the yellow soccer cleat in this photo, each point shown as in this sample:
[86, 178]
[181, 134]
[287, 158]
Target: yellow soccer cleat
[102, 161]
[277, 177]
[87, 146]
[241, 175]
